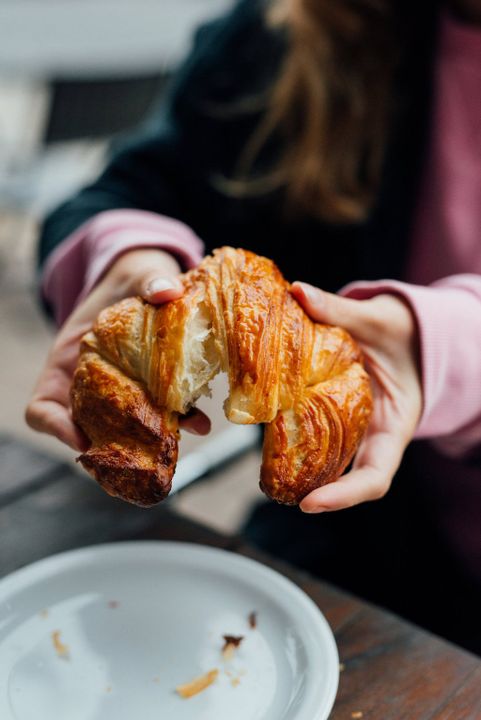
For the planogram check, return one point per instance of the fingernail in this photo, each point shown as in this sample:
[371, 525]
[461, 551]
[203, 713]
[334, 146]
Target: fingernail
[159, 285]
[312, 294]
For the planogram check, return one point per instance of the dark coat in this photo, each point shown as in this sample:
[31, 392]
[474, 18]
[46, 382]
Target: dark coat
[168, 167]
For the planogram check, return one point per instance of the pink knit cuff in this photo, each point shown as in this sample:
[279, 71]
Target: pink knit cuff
[448, 315]
[75, 266]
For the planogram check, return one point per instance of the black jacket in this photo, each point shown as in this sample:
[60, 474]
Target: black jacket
[168, 168]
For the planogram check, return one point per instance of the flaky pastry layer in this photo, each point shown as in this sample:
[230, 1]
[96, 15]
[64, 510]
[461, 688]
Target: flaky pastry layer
[143, 367]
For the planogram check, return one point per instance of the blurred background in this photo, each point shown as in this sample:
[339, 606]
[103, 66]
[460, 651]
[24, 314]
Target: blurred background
[75, 76]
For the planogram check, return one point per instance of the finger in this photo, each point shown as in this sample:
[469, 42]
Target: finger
[52, 418]
[158, 290]
[196, 422]
[370, 478]
[355, 316]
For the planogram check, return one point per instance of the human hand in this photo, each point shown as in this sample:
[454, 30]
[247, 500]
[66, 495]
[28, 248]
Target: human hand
[386, 330]
[145, 272]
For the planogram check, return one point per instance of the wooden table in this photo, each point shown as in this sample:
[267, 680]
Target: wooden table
[391, 670]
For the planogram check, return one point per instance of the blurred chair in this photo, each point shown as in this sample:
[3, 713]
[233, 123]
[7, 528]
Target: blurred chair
[80, 118]
[98, 65]
[100, 107]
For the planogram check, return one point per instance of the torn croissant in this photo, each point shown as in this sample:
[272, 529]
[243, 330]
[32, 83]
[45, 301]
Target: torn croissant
[142, 367]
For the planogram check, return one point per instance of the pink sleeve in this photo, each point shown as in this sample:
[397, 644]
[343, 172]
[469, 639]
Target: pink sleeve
[448, 315]
[75, 266]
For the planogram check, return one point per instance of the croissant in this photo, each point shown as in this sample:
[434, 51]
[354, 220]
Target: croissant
[142, 367]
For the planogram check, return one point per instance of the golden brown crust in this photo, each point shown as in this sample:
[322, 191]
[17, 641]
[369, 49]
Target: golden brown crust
[134, 444]
[328, 424]
[137, 373]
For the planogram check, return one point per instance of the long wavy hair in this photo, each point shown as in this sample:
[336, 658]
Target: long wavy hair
[330, 106]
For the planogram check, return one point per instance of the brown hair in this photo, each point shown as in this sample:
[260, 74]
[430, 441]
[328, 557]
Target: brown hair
[329, 105]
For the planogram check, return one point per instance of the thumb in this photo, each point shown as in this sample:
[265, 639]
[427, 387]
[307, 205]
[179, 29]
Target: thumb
[155, 278]
[150, 273]
[157, 289]
[355, 316]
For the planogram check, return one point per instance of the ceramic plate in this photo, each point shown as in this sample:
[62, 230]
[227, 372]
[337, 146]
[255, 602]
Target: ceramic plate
[109, 632]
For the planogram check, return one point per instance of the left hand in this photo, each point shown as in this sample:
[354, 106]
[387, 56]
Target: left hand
[386, 330]
[150, 273]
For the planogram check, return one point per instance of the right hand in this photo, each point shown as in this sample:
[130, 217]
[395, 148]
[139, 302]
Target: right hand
[152, 274]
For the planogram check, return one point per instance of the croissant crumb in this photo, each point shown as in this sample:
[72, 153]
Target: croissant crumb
[231, 643]
[194, 687]
[61, 649]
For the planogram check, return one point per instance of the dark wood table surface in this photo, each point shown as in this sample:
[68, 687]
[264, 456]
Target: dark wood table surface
[390, 669]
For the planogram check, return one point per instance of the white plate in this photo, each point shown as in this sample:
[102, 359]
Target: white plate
[108, 633]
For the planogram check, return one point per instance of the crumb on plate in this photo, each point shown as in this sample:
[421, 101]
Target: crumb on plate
[231, 642]
[60, 648]
[356, 715]
[253, 620]
[197, 685]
